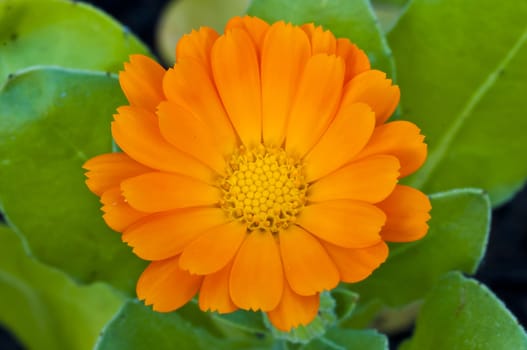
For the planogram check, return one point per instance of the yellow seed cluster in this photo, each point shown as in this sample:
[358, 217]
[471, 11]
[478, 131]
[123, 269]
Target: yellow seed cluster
[263, 188]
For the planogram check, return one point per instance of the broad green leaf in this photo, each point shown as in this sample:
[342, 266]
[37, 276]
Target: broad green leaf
[64, 33]
[456, 241]
[43, 307]
[138, 327]
[354, 20]
[349, 339]
[461, 69]
[460, 313]
[51, 121]
[182, 16]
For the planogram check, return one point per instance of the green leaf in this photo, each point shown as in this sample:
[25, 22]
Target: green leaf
[354, 20]
[344, 339]
[43, 307]
[138, 327]
[460, 313]
[51, 121]
[64, 33]
[461, 69]
[456, 241]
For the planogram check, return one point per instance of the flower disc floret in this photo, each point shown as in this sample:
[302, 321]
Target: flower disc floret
[264, 188]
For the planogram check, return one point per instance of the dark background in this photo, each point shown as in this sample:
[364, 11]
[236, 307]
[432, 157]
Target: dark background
[504, 268]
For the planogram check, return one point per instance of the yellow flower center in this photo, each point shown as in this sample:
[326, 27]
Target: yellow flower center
[264, 188]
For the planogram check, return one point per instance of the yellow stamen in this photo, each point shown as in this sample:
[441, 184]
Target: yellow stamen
[264, 188]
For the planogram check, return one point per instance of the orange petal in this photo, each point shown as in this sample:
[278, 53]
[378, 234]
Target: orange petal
[401, 139]
[108, 170]
[197, 46]
[356, 264]
[372, 88]
[153, 192]
[257, 278]
[355, 59]
[345, 223]
[213, 249]
[165, 286]
[190, 134]
[189, 84]
[117, 213]
[299, 250]
[407, 212]
[294, 310]
[164, 235]
[141, 82]
[254, 26]
[237, 76]
[214, 294]
[345, 137]
[137, 133]
[316, 102]
[284, 54]
[370, 180]
[322, 41]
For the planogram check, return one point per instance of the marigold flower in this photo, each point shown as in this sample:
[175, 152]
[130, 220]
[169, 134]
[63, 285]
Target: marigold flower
[259, 170]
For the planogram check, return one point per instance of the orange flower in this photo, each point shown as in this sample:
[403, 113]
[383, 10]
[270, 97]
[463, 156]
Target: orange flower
[259, 170]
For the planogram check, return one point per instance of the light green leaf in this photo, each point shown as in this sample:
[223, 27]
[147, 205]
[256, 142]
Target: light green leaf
[138, 327]
[461, 69]
[460, 313]
[456, 241]
[354, 20]
[182, 16]
[44, 308]
[349, 339]
[64, 33]
[51, 121]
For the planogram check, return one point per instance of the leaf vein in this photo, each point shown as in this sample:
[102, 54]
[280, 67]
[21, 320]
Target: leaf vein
[435, 158]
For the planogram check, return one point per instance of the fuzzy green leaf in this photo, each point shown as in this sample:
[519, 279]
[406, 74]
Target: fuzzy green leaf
[51, 121]
[354, 20]
[461, 69]
[460, 313]
[349, 339]
[63, 33]
[137, 327]
[43, 307]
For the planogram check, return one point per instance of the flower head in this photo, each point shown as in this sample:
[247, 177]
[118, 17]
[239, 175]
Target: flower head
[259, 170]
